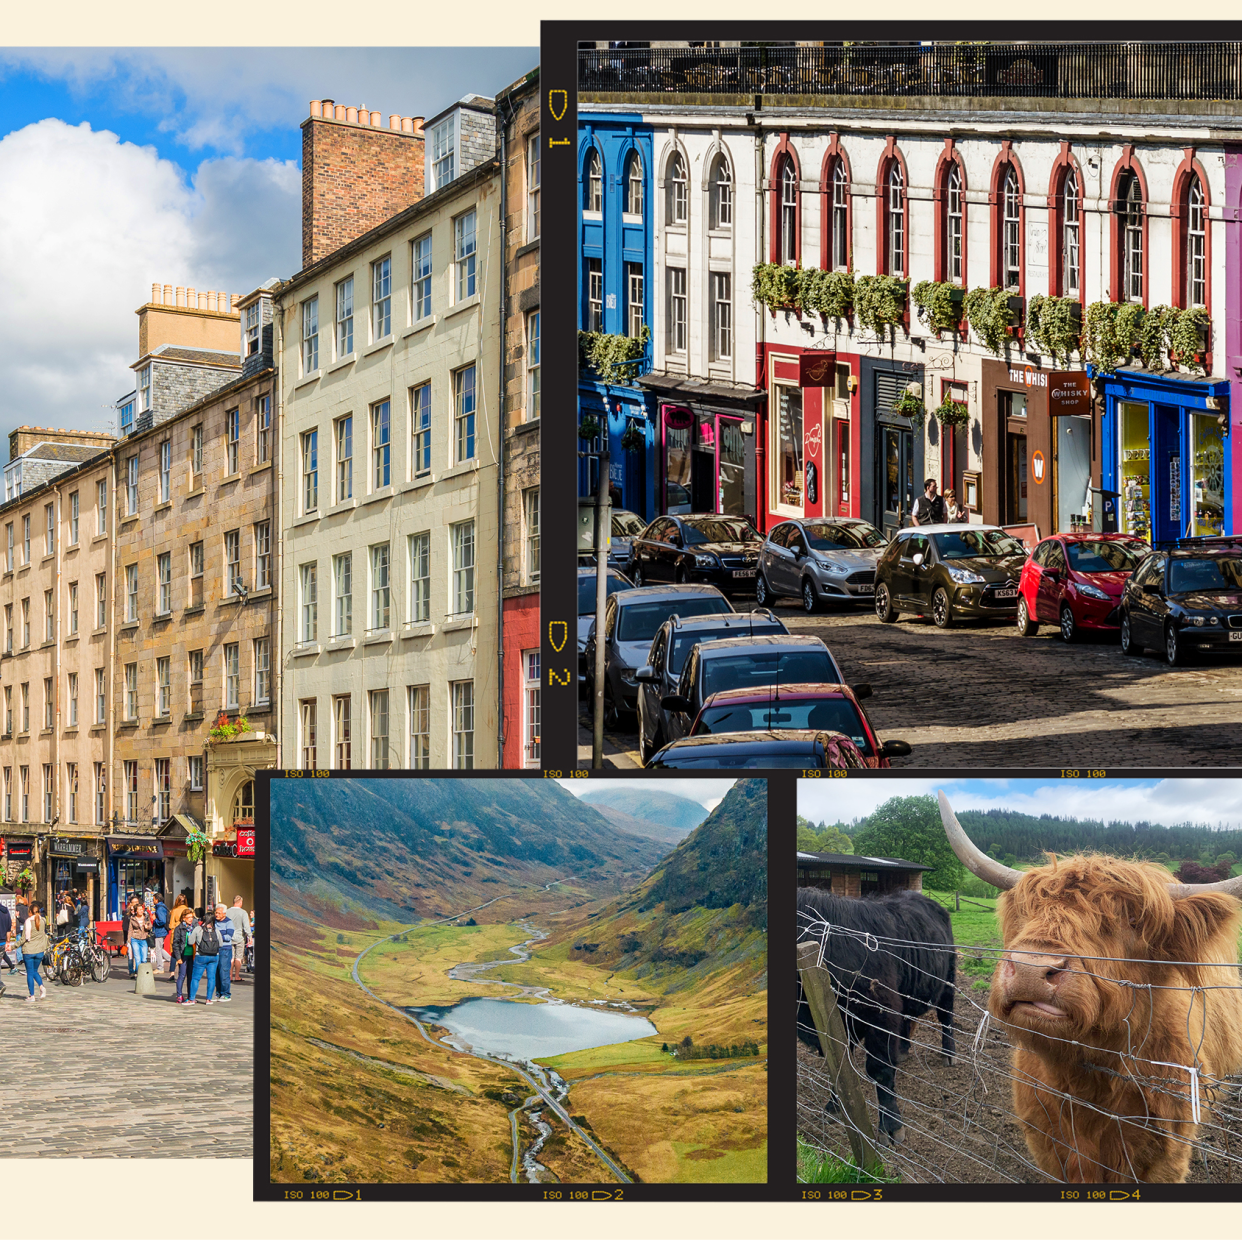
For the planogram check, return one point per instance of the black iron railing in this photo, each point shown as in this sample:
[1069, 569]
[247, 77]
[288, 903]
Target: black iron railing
[1208, 71]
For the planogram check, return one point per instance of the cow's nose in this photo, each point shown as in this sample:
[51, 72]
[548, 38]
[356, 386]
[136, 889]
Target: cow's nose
[1035, 968]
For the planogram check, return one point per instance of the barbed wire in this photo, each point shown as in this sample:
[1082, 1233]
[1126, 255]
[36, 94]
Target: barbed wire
[959, 1124]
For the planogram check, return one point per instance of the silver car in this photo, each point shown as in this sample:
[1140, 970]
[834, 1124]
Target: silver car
[821, 560]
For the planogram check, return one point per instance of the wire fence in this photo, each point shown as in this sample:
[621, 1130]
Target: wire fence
[959, 1122]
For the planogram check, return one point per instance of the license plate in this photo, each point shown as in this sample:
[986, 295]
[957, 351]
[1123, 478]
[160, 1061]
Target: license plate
[743, 573]
[866, 589]
[1235, 636]
[1005, 594]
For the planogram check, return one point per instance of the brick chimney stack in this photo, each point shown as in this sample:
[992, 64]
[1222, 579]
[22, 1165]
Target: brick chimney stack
[357, 172]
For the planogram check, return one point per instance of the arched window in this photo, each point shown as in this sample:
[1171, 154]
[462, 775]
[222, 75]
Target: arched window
[1011, 231]
[722, 194]
[243, 804]
[593, 185]
[634, 185]
[895, 210]
[789, 213]
[839, 253]
[954, 222]
[1196, 245]
[1130, 210]
[678, 199]
[1071, 236]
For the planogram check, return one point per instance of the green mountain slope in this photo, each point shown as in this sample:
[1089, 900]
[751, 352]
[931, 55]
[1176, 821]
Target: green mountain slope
[655, 806]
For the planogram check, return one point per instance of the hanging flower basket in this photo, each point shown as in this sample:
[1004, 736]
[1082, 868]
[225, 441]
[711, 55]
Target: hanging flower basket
[634, 440]
[25, 881]
[589, 428]
[953, 413]
[196, 845]
[912, 407]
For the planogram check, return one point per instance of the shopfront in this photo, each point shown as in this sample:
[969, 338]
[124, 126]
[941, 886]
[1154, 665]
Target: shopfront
[19, 854]
[1041, 449]
[231, 872]
[1166, 452]
[632, 442]
[135, 863]
[891, 447]
[74, 864]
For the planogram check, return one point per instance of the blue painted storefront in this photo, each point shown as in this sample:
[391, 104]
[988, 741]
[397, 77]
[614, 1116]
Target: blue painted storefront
[1164, 450]
[616, 239]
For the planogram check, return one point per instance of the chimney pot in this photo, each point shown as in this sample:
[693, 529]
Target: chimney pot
[351, 116]
[234, 298]
[180, 295]
[407, 125]
[339, 112]
[316, 107]
[394, 121]
[157, 294]
[418, 124]
[191, 297]
[168, 295]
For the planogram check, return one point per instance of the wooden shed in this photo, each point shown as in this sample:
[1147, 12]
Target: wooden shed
[859, 875]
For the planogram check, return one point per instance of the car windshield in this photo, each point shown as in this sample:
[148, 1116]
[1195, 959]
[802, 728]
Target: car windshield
[682, 642]
[719, 530]
[639, 622]
[838, 536]
[1106, 556]
[625, 525]
[957, 545]
[834, 715]
[723, 759]
[766, 668]
[586, 591]
[1220, 573]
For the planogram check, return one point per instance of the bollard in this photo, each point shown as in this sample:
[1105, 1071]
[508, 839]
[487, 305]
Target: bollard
[144, 984]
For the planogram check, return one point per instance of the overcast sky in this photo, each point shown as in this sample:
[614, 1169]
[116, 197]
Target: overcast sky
[1215, 800]
[178, 166]
[706, 793]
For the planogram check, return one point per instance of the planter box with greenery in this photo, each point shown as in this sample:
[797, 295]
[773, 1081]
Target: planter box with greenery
[1055, 326]
[1162, 336]
[225, 730]
[589, 427]
[830, 294]
[611, 356]
[995, 316]
[939, 304]
[880, 301]
[777, 286]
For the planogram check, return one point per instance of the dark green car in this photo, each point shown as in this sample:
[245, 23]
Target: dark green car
[949, 572]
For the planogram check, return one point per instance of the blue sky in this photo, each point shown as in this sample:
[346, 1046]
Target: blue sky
[124, 167]
[1214, 800]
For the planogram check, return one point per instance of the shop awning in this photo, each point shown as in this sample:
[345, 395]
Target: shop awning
[690, 390]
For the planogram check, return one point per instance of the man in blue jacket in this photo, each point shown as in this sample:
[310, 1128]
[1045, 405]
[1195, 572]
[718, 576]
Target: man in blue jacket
[159, 929]
[224, 925]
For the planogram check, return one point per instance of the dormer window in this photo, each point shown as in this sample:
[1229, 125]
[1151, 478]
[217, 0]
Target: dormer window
[144, 389]
[127, 417]
[253, 323]
[443, 148]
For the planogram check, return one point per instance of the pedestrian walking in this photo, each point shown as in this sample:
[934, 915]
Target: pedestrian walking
[159, 933]
[20, 915]
[84, 912]
[241, 935]
[138, 932]
[224, 967]
[6, 937]
[929, 508]
[179, 911]
[206, 940]
[953, 512]
[34, 946]
[183, 952]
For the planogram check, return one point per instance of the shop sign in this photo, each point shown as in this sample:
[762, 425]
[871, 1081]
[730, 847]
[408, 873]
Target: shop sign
[61, 847]
[1037, 466]
[1175, 488]
[19, 849]
[814, 438]
[1069, 393]
[223, 849]
[677, 419]
[245, 843]
[817, 369]
[1030, 377]
[136, 849]
[86, 864]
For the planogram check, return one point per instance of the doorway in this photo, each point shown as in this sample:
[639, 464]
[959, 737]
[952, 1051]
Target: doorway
[1073, 470]
[897, 477]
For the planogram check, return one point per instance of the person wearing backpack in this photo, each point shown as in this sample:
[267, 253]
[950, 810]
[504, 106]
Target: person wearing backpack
[34, 946]
[183, 952]
[206, 940]
[224, 925]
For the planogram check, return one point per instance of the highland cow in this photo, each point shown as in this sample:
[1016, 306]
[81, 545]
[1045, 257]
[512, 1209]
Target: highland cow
[1095, 988]
[891, 959]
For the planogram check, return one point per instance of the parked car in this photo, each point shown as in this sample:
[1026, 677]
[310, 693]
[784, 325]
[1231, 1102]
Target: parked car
[949, 572]
[753, 663]
[1075, 582]
[586, 606]
[816, 706]
[1184, 601]
[782, 748]
[667, 657]
[626, 526]
[697, 547]
[821, 560]
[631, 620]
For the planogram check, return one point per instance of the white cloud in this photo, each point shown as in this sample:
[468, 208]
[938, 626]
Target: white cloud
[707, 793]
[101, 220]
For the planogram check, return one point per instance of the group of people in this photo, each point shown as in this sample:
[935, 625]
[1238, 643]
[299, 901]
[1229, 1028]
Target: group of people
[210, 949]
[32, 936]
[930, 509]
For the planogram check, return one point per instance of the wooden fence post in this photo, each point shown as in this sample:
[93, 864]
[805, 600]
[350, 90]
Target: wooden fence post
[817, 986]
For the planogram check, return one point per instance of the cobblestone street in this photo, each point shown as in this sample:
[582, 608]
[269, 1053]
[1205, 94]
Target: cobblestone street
[97, 1071]
[977, 695]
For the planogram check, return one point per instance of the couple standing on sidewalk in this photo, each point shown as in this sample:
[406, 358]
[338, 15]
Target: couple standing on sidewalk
[211, 949]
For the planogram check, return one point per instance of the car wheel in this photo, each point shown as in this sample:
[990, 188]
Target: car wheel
[1174, 651]
[612, 714]
[942, 609]
[884, 604]
[657, 745]
[810, 599]
[638, 577]
[1026, 627]
[1069, 627]
[1128, 645]
[762, 594]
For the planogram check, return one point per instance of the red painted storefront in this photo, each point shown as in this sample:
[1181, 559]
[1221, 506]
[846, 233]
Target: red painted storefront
[520, 621]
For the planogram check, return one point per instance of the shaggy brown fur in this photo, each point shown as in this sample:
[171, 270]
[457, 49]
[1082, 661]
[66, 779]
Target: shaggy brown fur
[1101, 1110]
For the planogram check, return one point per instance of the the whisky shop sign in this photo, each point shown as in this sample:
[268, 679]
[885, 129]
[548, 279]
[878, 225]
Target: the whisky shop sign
[1069, 392]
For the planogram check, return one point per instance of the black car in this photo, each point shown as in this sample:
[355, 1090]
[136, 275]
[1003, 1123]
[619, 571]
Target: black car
[1183, 601]
[950, 571]
[631, 620]
[586, 606]
[667, 657]
[697, 547]
[782, 748]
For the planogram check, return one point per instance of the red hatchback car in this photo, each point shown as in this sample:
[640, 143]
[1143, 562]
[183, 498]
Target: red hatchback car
[1075, 582]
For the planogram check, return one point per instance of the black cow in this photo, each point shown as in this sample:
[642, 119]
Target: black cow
[881, 987]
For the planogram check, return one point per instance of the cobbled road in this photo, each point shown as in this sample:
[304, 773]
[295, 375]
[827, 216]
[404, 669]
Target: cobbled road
[978, 695]
[97, 1071]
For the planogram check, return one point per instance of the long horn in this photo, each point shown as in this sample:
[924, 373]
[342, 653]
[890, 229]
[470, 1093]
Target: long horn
[987, 869]
[1232, 887]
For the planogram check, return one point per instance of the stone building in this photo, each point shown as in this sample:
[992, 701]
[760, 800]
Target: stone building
[194, 597]
[518, 115]
[55, 739]
[389, 353]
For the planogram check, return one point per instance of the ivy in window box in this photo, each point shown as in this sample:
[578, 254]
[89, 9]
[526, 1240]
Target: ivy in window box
[991, 317]
[776, 286]
[1114, 331]
[951, 413]
[1188, 338]
[589, 427]
[880, 301]
[912, 407]
[939, 304]
[1055, 326]
[612, 356]
[633, 440]
[831, 294]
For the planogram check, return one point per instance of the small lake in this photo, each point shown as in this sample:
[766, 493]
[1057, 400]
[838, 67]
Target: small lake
[533, 1031]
